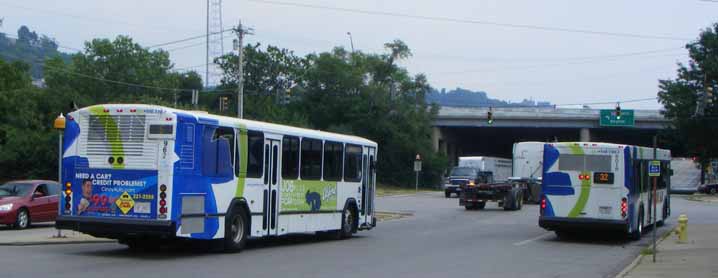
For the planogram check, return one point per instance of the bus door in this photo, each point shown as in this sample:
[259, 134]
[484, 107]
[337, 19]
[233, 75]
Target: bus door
[271, 185]
[366, 189]
[370, 181]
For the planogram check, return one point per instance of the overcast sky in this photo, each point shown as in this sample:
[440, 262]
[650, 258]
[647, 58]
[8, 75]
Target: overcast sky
[508, 63]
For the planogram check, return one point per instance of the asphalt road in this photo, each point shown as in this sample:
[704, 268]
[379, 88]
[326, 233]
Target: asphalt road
[441, 239]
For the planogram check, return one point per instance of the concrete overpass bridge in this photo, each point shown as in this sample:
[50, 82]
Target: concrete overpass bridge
[459, 131]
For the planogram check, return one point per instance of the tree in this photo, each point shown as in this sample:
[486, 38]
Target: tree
[26, 150]
[681, 95]
[125, 64]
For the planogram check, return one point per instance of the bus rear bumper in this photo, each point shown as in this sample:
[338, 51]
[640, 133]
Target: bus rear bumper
[117, 228]
[559, 223]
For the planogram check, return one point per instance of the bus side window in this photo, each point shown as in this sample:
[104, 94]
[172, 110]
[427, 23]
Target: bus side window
[311, 158]
[217, 151]
[290, 157]
[333, 152]
[352, 162]
[255, 152]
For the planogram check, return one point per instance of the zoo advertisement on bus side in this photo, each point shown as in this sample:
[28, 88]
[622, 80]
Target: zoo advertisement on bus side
[115, 193]
[308, 196]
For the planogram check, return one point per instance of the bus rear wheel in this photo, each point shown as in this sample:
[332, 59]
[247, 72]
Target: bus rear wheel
[235, 230]
[638, 232]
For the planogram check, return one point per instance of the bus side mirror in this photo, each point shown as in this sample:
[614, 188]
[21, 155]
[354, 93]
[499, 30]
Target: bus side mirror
[372, 165]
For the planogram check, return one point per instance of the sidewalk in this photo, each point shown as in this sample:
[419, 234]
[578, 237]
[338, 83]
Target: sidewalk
[43, 233]
[697, 258]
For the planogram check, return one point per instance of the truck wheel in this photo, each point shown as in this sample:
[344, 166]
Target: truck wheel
[470, 206]
[509, 200]
[481, 205]
[519, 200]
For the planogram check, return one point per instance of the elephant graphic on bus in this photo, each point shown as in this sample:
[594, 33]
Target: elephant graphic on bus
[314, 200]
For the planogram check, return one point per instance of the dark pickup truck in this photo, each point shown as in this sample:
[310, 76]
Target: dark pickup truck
[481, 189]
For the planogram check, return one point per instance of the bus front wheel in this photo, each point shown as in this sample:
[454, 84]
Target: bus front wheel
[235, 230]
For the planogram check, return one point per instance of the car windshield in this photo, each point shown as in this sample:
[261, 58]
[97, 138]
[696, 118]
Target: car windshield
[463, 171]
[14, 189]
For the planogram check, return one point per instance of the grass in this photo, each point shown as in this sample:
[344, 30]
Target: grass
[389, 190]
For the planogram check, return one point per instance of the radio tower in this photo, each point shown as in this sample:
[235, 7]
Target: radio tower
[215, 43]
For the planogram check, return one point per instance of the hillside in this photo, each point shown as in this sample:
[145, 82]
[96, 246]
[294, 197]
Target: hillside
[30, 48]
[463, 97]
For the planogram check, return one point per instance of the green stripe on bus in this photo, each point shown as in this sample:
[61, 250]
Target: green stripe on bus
[242, 178]
[585, 187]
[582, 197]
[112, 133]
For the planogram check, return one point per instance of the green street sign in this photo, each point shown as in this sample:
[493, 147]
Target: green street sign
[609, 118]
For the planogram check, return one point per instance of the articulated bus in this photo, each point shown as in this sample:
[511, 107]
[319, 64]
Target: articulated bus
[138, 173]
[600, 186]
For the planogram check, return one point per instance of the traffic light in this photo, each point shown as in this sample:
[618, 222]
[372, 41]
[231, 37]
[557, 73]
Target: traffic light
[490, 115]
[618, 111]
[223, 103]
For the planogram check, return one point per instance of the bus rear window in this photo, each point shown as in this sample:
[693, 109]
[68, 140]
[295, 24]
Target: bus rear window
[570, 162]
[598, 163]
[591, 163]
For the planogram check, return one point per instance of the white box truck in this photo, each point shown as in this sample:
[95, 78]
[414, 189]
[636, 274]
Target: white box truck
[528, 166]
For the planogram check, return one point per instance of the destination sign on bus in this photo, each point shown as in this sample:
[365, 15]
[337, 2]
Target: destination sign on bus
[603, 177]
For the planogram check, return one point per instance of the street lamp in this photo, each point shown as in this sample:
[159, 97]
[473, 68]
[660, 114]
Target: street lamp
[59, 124]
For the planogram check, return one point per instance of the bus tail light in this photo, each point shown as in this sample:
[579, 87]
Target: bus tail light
[624, 207]
[68, 197]
[543, 204]
[163, 202]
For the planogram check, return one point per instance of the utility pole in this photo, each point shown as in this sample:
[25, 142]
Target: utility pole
[239, 46]
[351, 41]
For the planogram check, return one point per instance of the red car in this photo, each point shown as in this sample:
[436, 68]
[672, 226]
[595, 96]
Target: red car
[27, 201]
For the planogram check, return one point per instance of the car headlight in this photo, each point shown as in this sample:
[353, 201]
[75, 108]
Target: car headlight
[6, 207]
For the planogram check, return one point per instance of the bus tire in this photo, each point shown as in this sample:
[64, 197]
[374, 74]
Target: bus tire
[636, 234]
[447, 194]
[561, 234]
[664, 214]
[235, 230]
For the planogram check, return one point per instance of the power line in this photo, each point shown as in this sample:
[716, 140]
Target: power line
[188, 39]
[545, 65]
[470, 21]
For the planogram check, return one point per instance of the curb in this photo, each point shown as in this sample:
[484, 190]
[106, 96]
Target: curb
[639, 259]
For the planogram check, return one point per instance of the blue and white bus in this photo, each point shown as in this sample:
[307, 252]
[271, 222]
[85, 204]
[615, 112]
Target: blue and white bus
[589, 186]
[138, 173]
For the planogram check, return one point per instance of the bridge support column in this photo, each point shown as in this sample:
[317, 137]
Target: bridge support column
[585, 135]
[437, 139]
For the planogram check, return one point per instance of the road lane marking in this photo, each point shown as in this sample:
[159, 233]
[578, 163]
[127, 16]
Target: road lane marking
[532, 239]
